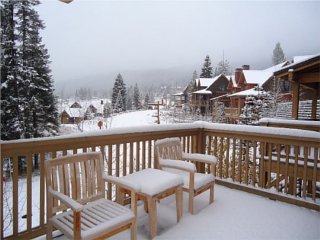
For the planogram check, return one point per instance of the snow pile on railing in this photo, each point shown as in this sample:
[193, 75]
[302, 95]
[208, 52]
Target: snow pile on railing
[217, 127]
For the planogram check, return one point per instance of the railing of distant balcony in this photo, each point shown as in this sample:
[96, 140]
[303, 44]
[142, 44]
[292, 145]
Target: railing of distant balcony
[246, 155]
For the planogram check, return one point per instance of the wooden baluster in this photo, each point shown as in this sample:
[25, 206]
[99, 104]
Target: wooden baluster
[221, 155]
[143, 154]
[269, 145]
[227, 157]
[247, 163]
[149, 153]
[295, 170]
[233, 172]
[261, 171]
[278, 166]
[254, 162]
[305, 167]
[131, 158]
[240, 162]
[314, 174]
[286, 169]
[137, 156]
[124, 159]
[117, 160]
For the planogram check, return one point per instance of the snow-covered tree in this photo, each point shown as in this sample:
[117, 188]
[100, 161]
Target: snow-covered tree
[223, 67]
[191, 87]
[256, 107]
[146, 101]
[119, 95]
[206, 71]
[136, 98]
[11, 117]
[278, 55]
[27, 76]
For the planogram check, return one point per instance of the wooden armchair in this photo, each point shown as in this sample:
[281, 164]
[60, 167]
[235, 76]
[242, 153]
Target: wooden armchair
[76, 203]
[169, 155]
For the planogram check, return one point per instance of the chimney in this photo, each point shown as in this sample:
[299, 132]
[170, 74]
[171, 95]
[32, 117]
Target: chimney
[246, 67]
[237, 74]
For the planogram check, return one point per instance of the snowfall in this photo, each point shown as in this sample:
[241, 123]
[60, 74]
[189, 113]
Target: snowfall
[233, 215]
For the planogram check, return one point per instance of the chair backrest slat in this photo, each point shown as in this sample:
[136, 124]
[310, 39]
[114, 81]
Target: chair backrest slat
[77, 176]
[169, 148]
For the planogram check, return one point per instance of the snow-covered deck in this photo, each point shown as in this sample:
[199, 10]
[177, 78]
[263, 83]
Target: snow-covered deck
[233, 215]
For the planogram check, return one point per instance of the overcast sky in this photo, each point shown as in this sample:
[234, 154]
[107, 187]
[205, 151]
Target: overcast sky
[95, 37]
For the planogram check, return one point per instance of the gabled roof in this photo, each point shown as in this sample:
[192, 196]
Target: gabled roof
[206, 82]
[249, 92]
[75, 112]
[258, 77]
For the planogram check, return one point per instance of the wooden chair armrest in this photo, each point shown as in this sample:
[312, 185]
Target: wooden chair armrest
[122, 183]
[74, 205]
[196, 157]
[178, 164]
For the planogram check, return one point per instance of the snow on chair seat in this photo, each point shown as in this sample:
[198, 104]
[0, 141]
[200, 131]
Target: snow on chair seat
[100, 216]
[170, 157]
[76, 203]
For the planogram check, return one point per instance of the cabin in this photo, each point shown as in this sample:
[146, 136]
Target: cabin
[206, 89]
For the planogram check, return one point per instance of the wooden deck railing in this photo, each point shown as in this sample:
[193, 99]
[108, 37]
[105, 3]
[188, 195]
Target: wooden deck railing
[246, 155]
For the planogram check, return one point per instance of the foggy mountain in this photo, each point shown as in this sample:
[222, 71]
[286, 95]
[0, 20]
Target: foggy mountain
[101, 84]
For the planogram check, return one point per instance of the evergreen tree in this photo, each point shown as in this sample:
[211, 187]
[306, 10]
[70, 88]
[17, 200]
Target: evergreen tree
[11, 117]
[223, 67]
[191, 87]
[278, 55]
[146, 101]
[119, 95]
[30, 80]
[136, 98]
[206, 69]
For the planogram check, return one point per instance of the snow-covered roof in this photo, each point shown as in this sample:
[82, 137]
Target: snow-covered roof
[300, 60]
[75, 112]
[258, 77]
[276, 67]
[206, 82]
[249, 92]
[297, 59]
[233, 79]
[203, 91]
[221, 96]
[178, 94]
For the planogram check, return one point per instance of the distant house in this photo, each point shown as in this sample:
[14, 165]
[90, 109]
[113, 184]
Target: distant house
[77, 111]
[72, 116]
[75, 105]
[246, 82]
[207, 88]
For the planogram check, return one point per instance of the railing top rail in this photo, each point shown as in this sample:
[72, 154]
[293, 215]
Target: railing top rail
[261, 131]
[127, 134]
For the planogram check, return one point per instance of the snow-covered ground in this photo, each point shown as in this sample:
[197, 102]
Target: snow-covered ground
[233, 215]
[129, 119]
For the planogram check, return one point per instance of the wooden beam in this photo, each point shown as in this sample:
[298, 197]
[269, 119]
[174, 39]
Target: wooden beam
[314, 104]
[313, 77]
[295, 101]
